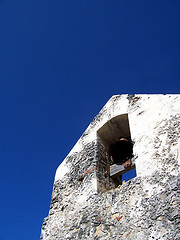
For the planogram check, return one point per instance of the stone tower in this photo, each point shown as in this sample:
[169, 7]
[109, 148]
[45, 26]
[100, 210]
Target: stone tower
[89, 200]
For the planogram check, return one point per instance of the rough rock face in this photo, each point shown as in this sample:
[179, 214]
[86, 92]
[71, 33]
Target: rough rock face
[87, 203]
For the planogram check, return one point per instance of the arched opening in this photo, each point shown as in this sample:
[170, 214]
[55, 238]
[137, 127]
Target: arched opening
[116, 139]
[114, 129]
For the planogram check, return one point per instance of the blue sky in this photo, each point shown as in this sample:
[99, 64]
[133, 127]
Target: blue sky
[60, 62]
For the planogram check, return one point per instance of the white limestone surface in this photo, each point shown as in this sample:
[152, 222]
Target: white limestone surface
[146, 112]
[147, 206]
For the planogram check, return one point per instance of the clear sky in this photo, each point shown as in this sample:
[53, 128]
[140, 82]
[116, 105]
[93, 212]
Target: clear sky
[60, 62]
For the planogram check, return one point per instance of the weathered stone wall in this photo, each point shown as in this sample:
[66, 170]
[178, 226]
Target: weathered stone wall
[142, 208]
[86, 204]
[103, 168]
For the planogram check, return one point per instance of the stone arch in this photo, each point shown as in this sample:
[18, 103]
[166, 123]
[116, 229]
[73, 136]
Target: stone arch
[114, 129]
[110, 175]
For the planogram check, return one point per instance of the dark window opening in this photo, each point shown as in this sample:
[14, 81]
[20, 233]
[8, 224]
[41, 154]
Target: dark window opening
[116, 137]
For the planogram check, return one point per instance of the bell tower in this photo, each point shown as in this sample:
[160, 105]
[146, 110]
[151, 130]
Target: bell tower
[89, 198]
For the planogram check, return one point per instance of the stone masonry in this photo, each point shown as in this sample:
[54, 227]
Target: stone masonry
[90, 203]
